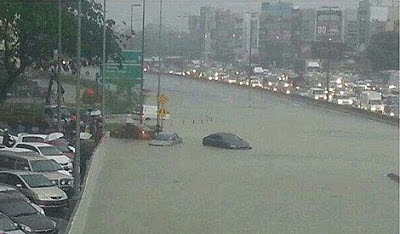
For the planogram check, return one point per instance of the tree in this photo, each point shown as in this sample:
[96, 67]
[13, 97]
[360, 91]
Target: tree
[28, 32]
[383, 51]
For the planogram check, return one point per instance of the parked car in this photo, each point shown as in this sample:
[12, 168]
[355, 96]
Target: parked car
[7, 226]
[25, 215]
[225, 140]
[26, 160]
[48, 151]
[38, 188]
[166, 139]
[57, 139]
[9, 190]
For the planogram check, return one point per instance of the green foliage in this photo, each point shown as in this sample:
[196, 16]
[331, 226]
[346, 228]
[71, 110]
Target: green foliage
[383, 51]
[29, 31]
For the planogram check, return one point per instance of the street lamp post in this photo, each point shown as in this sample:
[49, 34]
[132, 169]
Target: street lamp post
[77, 158]
[103, 80]
[159, 122]
[181, 33]
[59, 69]
[131, 33]
[142, 79]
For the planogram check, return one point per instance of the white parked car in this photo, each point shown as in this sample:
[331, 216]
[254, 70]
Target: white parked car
[48, 151]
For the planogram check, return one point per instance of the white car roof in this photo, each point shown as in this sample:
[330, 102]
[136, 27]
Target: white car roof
[18, 150]
[35, 144]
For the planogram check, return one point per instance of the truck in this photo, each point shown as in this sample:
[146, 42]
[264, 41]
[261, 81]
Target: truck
[303, 66]
[372, 101]
[149, 112]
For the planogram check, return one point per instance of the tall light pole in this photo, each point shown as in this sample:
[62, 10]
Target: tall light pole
[159, 68]
[142, 79]
[250, 47]
[181, 32]
[77, 158]
[59, 69]
[103, 80]
[328, 60]
[131, 33]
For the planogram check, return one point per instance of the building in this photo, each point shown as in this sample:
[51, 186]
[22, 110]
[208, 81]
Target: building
[351, 28]
[276, 33]
[329, 25]
[250, 28]
[375, 17]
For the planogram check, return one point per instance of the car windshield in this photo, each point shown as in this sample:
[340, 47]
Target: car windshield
[62, 146]
[45, 165]
[32, 139]
[37, 181]
[16, 207]
[375, 102]
[318, 92]
[50, 151]
[6, 224]
[163, 137]
[231, 137]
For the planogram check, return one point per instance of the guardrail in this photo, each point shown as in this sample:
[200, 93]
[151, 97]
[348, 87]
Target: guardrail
[393, 121]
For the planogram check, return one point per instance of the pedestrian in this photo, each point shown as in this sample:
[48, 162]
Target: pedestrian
[7, 141]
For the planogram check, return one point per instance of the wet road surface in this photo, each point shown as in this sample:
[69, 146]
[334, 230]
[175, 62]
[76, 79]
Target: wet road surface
[310, 170]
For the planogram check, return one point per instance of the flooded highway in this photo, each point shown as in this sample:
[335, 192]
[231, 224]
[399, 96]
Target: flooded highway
[311, 170]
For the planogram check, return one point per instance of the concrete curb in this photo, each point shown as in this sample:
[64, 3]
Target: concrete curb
[77, 221]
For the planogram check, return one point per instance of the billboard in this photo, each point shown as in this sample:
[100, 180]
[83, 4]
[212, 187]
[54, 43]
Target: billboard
[329, 24]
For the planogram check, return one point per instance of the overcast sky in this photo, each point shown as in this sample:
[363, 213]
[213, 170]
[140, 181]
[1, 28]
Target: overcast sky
[119, 10]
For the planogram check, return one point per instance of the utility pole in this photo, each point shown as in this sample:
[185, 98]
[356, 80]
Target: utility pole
[159, 69]
[181, 34]
[251, 40]
[133, 5]
[142, 79]
[328, 30]
[103, 80]
[250, 45]
[77, 158]
[59, 69]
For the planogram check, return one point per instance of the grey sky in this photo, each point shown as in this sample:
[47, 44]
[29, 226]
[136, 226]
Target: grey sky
[119, 10]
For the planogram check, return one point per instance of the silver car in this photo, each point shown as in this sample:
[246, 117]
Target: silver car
[36, 187]
[27, 160]
[166, 139]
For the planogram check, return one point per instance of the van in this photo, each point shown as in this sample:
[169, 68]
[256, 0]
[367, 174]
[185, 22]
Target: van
[26, 160]
[149, 112]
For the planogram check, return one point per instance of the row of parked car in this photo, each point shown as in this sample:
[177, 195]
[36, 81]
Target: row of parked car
[35, 176]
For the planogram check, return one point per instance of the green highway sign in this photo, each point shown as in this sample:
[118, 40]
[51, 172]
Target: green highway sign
[130, 70]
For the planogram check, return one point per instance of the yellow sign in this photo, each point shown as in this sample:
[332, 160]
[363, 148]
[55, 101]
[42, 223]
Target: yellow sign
[162, 112]
[162, 99]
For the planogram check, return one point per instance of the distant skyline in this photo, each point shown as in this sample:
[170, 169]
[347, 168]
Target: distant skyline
[119, 10]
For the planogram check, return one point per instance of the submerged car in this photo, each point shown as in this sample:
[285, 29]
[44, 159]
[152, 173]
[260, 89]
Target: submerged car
[166, 139]
[226, 141]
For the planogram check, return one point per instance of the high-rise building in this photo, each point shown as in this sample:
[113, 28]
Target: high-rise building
[275, 32]
[351, 28]
[375, 17]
